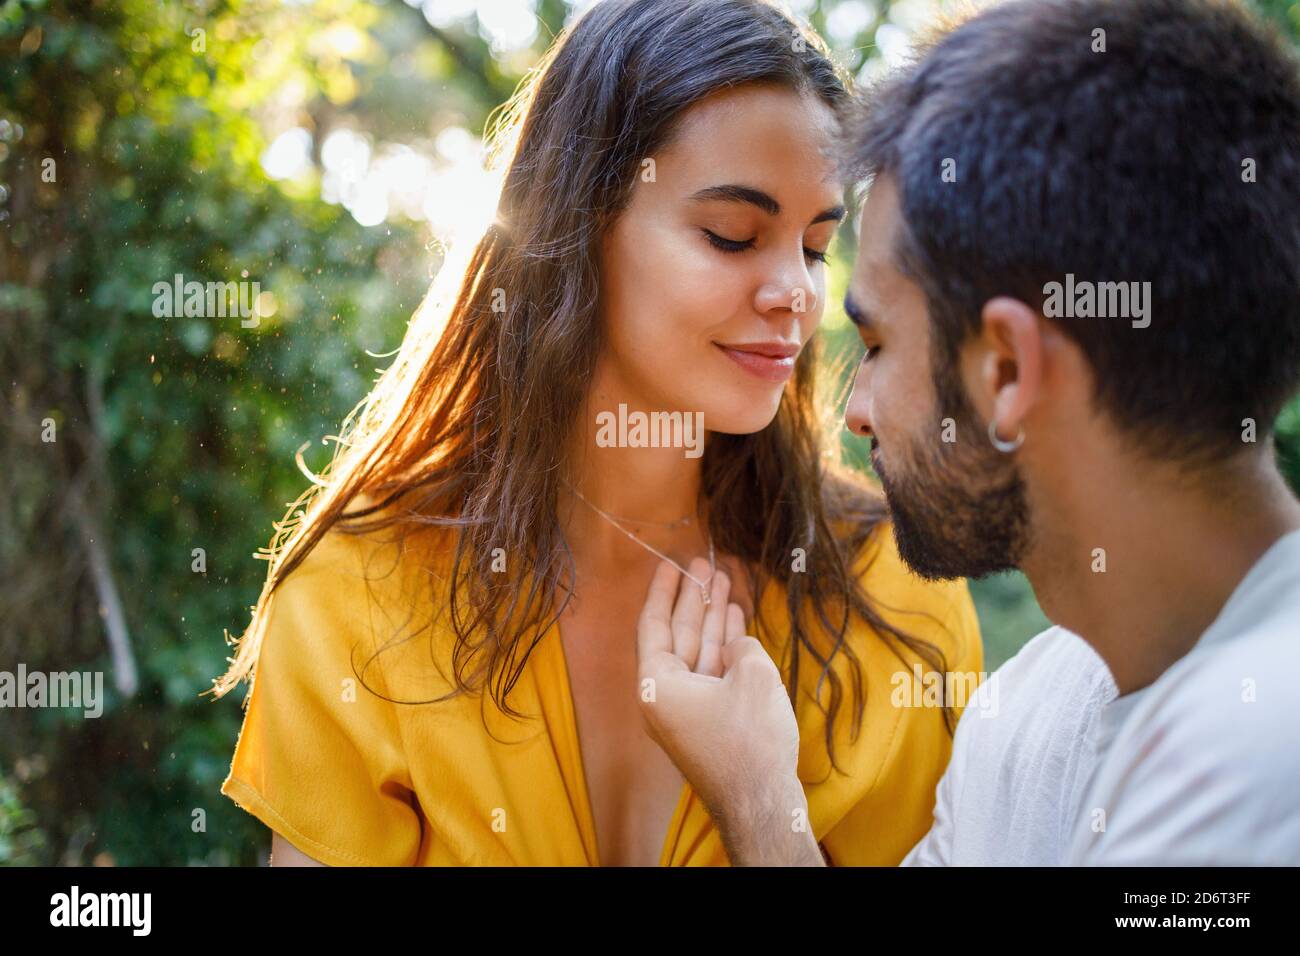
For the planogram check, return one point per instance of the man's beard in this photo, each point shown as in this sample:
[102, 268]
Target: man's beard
[958, 508]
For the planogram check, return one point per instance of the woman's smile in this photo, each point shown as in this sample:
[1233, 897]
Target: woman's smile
[770, 361]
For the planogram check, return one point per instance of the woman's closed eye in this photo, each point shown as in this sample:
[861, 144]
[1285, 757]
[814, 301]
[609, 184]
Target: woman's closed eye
[740, 245]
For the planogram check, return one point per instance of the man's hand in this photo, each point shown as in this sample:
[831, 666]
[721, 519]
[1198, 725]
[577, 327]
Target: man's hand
[713, 699]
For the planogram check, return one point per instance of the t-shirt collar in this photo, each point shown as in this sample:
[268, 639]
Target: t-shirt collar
[1270, 583]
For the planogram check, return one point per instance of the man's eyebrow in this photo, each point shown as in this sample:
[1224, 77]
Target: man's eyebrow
[856, 314]
[734, 192]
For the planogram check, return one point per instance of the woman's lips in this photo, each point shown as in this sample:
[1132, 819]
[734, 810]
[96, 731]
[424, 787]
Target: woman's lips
[770, 363]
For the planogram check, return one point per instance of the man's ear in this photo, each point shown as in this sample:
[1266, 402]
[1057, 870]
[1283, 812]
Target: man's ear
[1011, 367]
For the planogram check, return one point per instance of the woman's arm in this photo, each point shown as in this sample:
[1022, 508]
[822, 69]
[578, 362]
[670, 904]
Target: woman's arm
[284, 853]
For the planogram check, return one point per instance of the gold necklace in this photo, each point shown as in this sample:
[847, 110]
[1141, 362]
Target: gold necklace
[713, 566]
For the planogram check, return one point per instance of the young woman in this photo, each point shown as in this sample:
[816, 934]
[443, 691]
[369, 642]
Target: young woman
[445, 647]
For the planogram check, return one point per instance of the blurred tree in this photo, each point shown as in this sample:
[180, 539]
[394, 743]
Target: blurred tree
[129, 153]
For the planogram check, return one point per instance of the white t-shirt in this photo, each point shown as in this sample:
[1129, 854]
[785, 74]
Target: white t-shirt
[1202, 767]
[1021, 755]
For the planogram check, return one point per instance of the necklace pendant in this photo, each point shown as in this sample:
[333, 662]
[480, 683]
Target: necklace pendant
[707, 599]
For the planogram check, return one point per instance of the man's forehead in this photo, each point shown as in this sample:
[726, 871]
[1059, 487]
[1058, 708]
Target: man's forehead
[878, 223]
[882, 294]
[874, 271]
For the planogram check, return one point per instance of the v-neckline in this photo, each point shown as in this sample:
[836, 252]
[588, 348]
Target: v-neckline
[586, 816]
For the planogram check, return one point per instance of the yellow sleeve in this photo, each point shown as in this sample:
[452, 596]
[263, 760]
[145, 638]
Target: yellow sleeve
[319, 758]
[897, 810]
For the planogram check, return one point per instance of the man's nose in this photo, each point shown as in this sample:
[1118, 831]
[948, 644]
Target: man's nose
[857, 413]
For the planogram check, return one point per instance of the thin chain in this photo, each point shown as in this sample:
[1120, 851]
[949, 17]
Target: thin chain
[678, 523]
[702, 585]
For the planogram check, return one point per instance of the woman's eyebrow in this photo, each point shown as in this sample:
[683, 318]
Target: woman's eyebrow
[734, 192]
[834, 214]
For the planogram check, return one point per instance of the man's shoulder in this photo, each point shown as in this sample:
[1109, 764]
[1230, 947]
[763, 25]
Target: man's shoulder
[1235, 699]
[1204, 768]
[1047, 696]
[1051, 655]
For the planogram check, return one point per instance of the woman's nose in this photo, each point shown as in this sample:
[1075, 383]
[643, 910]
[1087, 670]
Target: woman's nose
[790, 288]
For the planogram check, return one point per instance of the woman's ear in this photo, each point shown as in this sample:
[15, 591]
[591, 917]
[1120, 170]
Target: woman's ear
[1011, 368]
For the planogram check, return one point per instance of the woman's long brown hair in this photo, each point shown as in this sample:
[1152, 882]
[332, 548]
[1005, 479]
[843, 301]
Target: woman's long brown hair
[467, 429]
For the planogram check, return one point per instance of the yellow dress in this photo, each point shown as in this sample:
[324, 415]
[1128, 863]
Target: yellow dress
[354, 779]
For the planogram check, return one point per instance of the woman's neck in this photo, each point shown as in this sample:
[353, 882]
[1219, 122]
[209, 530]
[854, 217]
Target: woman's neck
[648, 491]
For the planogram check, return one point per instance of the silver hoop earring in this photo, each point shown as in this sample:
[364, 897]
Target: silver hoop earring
[1000, 444]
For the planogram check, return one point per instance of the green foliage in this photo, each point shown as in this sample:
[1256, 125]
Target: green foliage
[180, 431]
[21, 841]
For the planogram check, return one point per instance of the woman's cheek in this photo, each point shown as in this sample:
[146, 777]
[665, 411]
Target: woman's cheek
[813, 320]
[709, 298]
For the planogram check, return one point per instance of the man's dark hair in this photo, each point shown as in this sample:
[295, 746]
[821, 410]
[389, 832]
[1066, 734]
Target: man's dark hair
[1172, 157]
